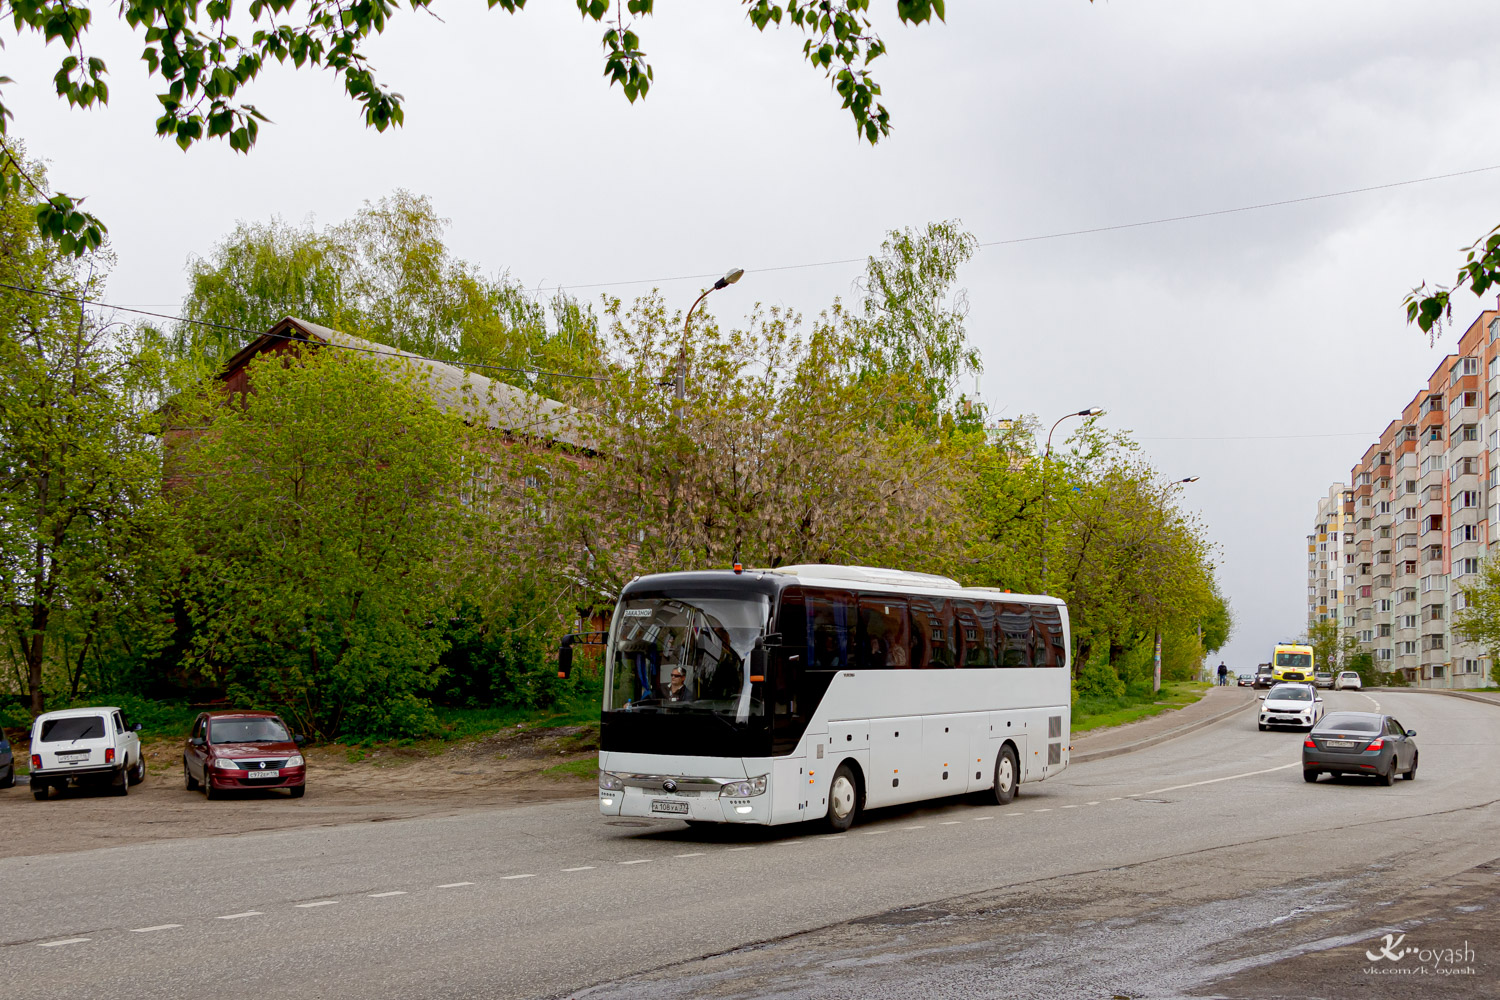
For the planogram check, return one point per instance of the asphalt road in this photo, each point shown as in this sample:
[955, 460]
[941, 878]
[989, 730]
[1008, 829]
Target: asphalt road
[1210, 841]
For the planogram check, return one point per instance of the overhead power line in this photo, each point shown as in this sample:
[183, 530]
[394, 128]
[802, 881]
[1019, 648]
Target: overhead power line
[1053, 236]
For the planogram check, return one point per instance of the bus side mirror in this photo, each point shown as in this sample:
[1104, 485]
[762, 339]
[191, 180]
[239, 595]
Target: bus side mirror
[565, 657]
[758, 660]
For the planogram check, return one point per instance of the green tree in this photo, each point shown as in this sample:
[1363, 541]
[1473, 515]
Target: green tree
[80, 510]
[204, 55]
[322, 516]
[386, 275]
[1479, 622]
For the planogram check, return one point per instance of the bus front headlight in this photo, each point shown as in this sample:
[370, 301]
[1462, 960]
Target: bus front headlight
[744, 789]
[610, 782]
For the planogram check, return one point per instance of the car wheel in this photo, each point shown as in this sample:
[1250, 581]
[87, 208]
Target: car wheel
[9, 781]
[1309, 775]
[208, 784]
[1389, 777]
[300, 790]
[1262, 727]
[121, 785]
[138, 773]
[188, 781]
[843, 800]
[1411, 774]
[1007, 776]
[39, 792]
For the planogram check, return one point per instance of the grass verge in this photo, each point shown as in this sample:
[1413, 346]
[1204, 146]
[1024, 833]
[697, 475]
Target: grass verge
[1092, 712]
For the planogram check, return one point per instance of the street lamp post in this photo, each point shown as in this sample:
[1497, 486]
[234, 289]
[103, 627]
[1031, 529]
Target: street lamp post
[1092, 411]
[1156, 659]
[680, 383]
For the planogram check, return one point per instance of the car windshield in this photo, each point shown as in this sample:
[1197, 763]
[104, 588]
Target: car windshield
[1303, 660]
[1290, 694]
[258, 729]
[1348, 675]
[81, 727]
[685, 654]
[1350, 723]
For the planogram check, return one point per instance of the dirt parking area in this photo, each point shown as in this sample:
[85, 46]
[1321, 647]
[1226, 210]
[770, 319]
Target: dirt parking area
[513, 767]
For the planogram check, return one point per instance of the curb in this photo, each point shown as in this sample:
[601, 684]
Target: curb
[1465, 695]
[1151, 741]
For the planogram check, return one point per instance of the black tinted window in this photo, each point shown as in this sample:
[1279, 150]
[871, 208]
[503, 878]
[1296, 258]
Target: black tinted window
[87, 727]
[974, 625]
[1350, 723]
[1013, 635]
[1048, 646]
[884, 637]
[932, 639]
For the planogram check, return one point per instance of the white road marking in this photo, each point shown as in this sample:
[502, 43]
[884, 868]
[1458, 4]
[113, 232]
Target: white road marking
[728, 849]
[978, 819]
[1370, 700]
[950, 822]
[1091, 803]
[507, 878]
[158, 927]
[916, 827]
[1072, 806]
[695, 854]
[637, 861]
[1229, 777]
[382, 895]
[1014, 814]
[873, 833]
[240, 916]
[454, 885]
[580, 868]
[59, 944]
[1114, 799]
[1047, 810]
[321, 902]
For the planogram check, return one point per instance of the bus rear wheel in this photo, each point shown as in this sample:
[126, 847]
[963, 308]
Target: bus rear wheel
[1007, 776]
[843, 799]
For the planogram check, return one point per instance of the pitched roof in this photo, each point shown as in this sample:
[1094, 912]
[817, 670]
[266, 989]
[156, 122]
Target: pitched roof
[477, 400]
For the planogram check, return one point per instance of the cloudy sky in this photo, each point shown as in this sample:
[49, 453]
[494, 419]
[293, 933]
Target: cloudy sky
[1260, 351]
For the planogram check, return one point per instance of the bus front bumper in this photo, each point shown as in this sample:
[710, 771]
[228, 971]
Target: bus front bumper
[704, 807]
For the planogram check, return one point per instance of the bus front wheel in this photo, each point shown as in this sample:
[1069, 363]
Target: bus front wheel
[843, 799]
[1007, 775]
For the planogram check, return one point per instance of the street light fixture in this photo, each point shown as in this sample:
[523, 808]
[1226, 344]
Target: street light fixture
[729, 278]
[1092, 411]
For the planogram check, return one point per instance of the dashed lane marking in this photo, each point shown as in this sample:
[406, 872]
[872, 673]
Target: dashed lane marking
[59, 944]
[1114, 798]
[1073, 805]
[1213, 781]
[873, 833]
[1091, 803]
[695, 854]
[454, 885]
[1045, 810]
[321, 902]
[915, 828]
[241, 916]
[508, 878]
[950, 822]
[580, 868]
[382, 895]
[637, 861]
[728, 849]
[158, 927]
[978, 819]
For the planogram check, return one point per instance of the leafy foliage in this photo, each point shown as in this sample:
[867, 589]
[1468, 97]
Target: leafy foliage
[1480, 272]
[1479, 622]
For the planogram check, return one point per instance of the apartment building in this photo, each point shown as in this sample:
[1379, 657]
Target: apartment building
[1421, 514]
[1325, 555]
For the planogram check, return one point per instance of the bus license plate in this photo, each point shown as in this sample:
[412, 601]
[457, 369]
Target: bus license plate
[669, 806]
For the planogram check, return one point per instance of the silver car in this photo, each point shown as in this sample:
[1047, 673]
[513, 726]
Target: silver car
[1348, 680]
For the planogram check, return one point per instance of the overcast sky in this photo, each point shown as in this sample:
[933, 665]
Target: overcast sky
[1261, 351]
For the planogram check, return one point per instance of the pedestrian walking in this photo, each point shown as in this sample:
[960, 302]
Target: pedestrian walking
[1223, 675]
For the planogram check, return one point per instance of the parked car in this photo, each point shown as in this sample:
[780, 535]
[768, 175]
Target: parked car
[1348, 680]
[1322, 679]
[238, 750]
[7, 764]
[1291, 705]
[83, 746]
[1245, 680]
[1360, 743]
[1263, 676]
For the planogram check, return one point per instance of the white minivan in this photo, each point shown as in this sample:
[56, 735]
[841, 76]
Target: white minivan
[85, 745]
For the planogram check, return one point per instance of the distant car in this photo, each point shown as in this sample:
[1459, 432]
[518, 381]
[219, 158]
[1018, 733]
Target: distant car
[239, 750]
[1263, 676]
[1245, 680]
[7, 764]
[1323, 679]
[82, 746]
[1360, 743]
[1291, 705]
[1347, 681]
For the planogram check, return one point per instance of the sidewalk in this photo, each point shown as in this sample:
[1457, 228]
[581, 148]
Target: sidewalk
[1219, 703]
[1489, 697]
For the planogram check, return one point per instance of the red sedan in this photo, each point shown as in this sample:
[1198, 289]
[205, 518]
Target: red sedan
[236, 750]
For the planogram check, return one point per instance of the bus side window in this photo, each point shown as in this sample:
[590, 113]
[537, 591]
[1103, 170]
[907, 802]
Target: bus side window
[829, 618]
[973, 627]
[1047, 636]
[932, 642]
[1013, 635]
[884, 639]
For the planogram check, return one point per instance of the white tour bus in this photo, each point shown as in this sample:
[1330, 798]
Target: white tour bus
[814, 692]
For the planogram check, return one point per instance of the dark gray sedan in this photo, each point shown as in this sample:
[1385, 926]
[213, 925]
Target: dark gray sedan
[7, 764]
[1360, 743]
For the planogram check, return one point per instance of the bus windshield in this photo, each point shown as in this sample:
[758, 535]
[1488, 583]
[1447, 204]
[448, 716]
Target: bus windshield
[1303, 660]
[685, 655]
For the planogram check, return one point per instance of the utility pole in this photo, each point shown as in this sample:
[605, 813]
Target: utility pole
[679, 384]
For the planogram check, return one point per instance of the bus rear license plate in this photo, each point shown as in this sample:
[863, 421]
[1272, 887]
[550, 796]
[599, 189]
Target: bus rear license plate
[669, 806]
